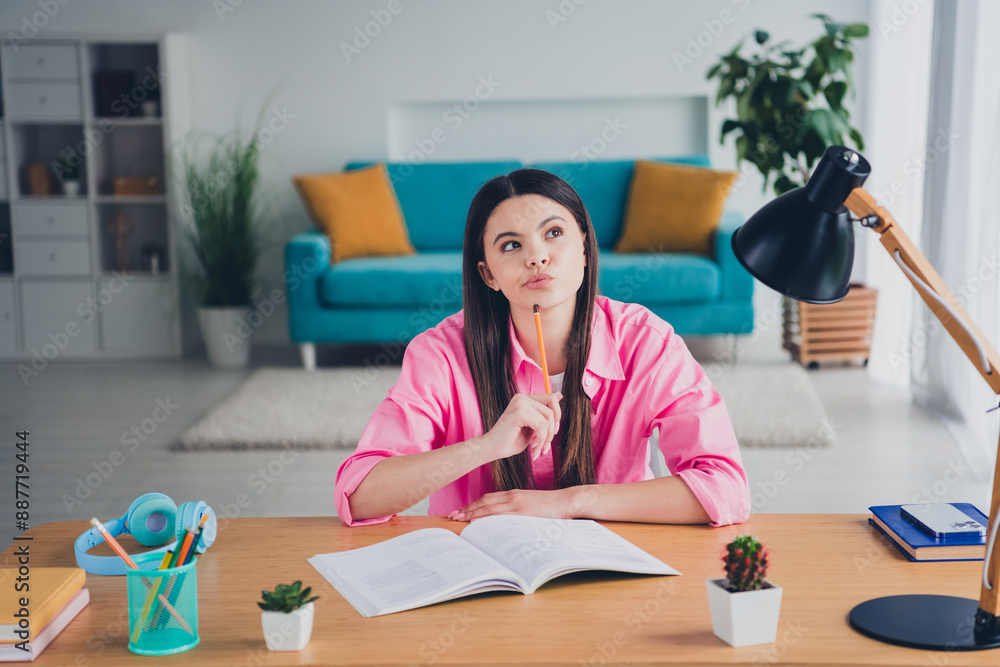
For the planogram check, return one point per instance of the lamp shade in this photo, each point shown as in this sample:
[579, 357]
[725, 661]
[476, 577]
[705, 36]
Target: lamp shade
[801, 244]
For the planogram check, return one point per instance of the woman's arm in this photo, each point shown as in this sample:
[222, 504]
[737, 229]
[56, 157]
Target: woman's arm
[663, 500]
[399, 482]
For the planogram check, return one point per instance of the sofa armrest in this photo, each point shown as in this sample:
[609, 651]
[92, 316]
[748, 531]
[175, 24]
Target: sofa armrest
[307, 258]
[737, 283]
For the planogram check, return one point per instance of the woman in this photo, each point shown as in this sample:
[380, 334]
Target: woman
[470, 425]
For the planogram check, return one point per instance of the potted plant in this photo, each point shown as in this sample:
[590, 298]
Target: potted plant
[287, 618]
[744, 605]
[67, 168]
[220, 222]
[789, 102]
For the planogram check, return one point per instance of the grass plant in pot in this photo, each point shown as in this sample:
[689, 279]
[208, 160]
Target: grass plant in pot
[220, 222]
[745, 606]
[287, 618]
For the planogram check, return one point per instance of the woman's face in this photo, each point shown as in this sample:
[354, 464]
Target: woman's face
[534, 252]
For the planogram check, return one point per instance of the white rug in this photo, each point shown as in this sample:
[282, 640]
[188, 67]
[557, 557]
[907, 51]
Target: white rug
[772, 405]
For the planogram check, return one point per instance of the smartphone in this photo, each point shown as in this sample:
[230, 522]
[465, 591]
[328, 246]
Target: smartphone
[942, 520]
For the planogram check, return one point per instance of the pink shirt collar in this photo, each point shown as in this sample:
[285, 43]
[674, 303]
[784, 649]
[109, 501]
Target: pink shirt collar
[603, 360]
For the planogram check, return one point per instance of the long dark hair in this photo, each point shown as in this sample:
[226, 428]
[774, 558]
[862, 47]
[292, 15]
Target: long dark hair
[487, 341]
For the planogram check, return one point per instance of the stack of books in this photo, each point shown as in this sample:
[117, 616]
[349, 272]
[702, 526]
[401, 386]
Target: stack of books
[54, 596]
[918, 545]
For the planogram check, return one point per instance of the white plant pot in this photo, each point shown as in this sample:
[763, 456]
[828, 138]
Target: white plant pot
[287, 632]
[746, 618]
[71, 188]
[227, 335]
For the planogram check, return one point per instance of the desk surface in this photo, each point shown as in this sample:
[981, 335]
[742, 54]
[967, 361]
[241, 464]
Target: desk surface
[825, 563]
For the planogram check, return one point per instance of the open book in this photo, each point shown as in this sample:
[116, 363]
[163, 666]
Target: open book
[495, 553]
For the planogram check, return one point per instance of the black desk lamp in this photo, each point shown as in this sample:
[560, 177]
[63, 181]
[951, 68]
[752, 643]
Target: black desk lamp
[802, 245]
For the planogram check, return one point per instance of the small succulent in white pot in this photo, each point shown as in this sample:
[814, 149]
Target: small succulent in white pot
[287, 618]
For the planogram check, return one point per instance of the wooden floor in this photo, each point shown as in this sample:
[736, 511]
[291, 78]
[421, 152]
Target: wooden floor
[79, 414]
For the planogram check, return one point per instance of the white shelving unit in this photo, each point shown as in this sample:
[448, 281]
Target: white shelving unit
[62, 291]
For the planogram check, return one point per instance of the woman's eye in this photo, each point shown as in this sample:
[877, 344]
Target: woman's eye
[556, 229]
[503, 248]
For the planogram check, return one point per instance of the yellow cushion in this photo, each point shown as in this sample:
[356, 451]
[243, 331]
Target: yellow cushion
[673, 208]
[358, 210]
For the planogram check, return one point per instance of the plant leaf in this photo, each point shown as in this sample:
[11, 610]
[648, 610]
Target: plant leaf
[834, 93]
[856, 30]
[761, 36]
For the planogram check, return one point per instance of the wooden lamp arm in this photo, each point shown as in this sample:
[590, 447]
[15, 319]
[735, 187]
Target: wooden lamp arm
[863, 205]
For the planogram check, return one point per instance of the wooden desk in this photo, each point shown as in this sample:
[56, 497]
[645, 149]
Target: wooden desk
[826, 564]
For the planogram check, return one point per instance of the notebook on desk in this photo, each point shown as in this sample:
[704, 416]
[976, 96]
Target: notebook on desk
[918, 545]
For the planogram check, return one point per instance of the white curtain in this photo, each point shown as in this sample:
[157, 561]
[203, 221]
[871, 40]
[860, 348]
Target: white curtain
[899, 73]
[961, 221]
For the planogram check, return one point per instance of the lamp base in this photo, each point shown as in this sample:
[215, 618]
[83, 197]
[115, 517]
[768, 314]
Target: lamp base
[935, 622]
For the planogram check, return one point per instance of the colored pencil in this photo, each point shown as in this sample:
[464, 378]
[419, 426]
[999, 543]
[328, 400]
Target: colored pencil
[541, 349]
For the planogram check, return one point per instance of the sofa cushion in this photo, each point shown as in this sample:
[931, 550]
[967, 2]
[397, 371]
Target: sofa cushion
[435, 197]
[603, 187]
[659, 278]
[357, 211]
[674, 208]
[424, 280]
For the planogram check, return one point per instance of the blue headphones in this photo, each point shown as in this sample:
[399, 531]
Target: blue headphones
[152, 519]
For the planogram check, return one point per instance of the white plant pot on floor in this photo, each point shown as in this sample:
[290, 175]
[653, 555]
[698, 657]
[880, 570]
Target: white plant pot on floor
[746, 618]
[287, 632]
[226, 335]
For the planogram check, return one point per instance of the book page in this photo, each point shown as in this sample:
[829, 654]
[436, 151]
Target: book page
[540, 549]
[412, 570]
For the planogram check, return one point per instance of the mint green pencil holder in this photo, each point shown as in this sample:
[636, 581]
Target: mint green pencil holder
[162, 606]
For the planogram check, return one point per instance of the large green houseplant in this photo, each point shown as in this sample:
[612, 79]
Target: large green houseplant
[790, 102]
[220, 220]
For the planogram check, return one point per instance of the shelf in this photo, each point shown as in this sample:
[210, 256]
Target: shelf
[68, 120]
[131, 199]
[117, 120]
[47, 199]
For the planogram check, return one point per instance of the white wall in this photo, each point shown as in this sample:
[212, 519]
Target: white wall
[432, 54]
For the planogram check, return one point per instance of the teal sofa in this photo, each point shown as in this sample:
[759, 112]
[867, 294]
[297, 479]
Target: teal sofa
[392, 299]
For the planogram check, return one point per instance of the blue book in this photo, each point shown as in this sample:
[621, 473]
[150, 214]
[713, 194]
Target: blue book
[918, 545]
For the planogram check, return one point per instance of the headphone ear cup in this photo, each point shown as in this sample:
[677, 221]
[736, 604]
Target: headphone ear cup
[189, 516]
[151, 519]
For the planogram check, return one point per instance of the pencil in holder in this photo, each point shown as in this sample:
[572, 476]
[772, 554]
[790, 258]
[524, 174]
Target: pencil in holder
[162, 606]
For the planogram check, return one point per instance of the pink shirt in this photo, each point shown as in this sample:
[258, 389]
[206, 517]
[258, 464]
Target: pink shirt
[639, 376]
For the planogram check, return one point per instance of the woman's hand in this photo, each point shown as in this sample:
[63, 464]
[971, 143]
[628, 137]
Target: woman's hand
[530, 420]
[552, 504]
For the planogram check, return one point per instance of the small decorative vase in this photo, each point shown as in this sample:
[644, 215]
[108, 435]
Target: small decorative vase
[287, 632]
[227, 335]
[745, 618]
[71, 188]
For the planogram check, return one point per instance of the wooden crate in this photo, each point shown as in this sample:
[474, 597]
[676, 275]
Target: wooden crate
[839, 331]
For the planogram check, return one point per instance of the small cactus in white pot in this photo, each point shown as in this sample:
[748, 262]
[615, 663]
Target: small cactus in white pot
[287, 618]
[745, 606]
